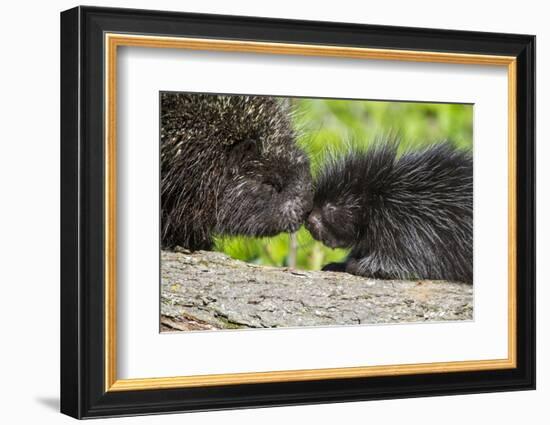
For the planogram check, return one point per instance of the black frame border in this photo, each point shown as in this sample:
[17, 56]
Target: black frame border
[82, 212]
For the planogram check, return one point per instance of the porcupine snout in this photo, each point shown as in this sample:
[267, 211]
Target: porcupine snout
[314, 225]
[293, 213]
[297, 207]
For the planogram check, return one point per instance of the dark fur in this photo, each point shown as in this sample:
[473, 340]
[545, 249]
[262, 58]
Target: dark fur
[403, 217]
[229, 166]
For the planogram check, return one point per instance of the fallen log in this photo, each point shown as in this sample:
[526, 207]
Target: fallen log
[209, 290]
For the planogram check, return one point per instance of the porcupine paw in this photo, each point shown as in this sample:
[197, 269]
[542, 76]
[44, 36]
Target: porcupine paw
[366, 269]
[335, 267]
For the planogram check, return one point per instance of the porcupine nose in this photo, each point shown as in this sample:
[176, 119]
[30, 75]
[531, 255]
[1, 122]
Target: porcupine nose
[292, 213]
[313, 224]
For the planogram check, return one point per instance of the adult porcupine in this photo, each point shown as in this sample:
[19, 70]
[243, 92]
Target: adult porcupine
[403, 217]
[229, 166]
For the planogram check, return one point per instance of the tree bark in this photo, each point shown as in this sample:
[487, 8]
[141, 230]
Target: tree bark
[208, 290]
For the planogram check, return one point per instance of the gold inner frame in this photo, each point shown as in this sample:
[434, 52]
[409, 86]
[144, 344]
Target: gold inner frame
[113, 41]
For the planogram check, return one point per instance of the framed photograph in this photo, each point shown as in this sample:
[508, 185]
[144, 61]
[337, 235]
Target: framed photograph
[260, 212]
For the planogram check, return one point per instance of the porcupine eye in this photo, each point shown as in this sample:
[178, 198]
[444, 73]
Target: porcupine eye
[329, 214]
[243, 151]
[339, 222]
[273, 184]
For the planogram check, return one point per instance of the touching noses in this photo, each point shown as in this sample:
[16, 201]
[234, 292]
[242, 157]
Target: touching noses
[313, 223]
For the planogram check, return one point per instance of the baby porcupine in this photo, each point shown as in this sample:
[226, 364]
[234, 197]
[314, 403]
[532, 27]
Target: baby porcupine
[403, 217]
[230, 165]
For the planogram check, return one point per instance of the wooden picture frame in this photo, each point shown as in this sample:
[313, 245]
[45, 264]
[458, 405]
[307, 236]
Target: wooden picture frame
[90, 38]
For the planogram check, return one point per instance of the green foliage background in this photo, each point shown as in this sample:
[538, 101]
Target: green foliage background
[327, 125]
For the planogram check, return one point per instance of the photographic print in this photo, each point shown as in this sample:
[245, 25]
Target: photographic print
[225, 175]
[282, 212]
